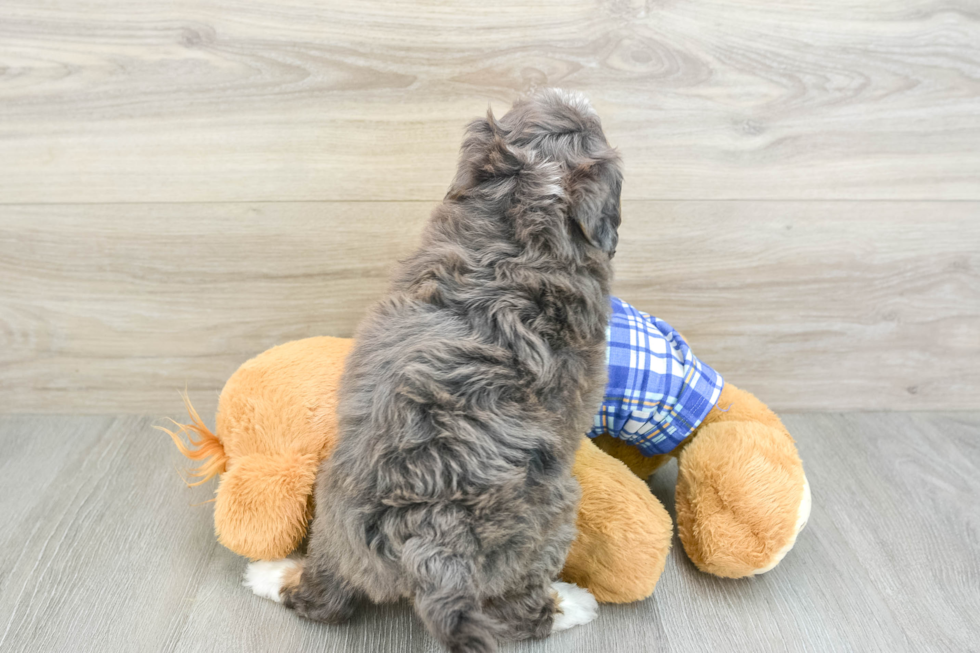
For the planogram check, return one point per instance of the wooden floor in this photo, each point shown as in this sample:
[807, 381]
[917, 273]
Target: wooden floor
[186, 183]
[103, 549]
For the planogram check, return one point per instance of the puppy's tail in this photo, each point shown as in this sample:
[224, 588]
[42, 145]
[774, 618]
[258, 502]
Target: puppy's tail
[206, 448]
[446, 599]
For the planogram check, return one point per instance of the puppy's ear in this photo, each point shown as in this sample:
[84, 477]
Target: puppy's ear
[594, 188]
[484, 155]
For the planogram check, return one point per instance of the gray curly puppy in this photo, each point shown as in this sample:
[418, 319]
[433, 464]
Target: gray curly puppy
[467, 394]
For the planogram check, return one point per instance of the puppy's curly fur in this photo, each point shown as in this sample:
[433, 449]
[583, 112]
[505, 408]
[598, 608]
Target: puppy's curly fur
[469, 388]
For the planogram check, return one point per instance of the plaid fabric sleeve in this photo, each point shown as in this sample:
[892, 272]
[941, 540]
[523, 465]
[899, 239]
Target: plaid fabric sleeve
[658, 391]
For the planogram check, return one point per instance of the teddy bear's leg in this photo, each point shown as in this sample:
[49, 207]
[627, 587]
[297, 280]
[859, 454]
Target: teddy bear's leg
[624, 532]
[264, 503]
[742, 496]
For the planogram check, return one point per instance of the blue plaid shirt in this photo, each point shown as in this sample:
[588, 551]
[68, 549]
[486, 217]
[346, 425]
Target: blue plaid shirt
[658, 391]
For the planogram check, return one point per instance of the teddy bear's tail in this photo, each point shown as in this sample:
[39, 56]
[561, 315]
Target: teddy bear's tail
[207, 447]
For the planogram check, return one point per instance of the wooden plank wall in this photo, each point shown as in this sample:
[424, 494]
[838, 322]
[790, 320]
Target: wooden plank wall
[185, 184]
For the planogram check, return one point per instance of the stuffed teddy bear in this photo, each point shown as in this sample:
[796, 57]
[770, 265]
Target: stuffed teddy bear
[742, 496]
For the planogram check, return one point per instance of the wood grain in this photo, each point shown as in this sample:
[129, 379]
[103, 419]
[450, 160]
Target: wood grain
[185, 184]
[811, 305]
[206, 100]
[122, 305]
[105, 550]
[817, 306]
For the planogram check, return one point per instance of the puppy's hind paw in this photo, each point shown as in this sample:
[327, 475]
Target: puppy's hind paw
[266, 577]
[575, 606]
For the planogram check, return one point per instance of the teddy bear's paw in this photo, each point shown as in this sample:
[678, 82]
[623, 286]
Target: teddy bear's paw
[801, 518]
[265, 578]
[574, 606]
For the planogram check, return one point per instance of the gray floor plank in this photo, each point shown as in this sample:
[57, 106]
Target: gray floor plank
[104, 549]
[905, 496]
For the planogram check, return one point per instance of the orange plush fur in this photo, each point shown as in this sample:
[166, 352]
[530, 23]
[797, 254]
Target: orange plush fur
[741, 493]
[276, 421]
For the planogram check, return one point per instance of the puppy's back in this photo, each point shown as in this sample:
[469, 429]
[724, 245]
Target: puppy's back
[469, 386]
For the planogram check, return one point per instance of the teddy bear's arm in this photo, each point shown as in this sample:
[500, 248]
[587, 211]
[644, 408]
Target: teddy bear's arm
[624, 532]
[732, 523]
[742, 496]
[734, 405]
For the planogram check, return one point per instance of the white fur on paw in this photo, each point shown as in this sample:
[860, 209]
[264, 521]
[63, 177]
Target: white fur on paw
[264, 577]
[576, 606]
